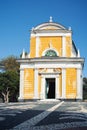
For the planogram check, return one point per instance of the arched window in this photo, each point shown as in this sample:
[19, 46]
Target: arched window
[50, 53]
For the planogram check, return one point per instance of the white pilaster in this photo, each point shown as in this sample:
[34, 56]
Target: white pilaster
[63, 83]
[36, 84]
[63, 46]
[21, 88]
[57, 88]
[37, 46]
[79, 84]
[42, 87]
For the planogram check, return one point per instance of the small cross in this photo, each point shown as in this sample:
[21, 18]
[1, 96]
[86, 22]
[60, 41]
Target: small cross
[51, 20]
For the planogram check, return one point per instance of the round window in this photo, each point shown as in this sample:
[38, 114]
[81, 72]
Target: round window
[51, 53]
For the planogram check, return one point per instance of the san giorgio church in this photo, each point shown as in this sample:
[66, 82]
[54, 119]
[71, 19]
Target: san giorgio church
[53, 67]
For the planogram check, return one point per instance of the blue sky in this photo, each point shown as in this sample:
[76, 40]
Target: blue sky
[17, 17]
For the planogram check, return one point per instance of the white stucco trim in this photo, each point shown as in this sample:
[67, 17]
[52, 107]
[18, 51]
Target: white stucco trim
[63, 46]
[51, 34]
[43, 85]
[47, 24]
[42, 94]
[51, 65]
[57, 91]
[37, 46]
[36, 84]
[51, 59]
[63, 83]
[79, 84]
[21, 88]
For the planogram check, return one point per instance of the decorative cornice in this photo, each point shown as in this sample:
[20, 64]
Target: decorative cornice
[52, 59]
[50, 31]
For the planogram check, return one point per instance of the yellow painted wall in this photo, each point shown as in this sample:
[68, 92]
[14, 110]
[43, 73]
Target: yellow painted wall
[28, 83]
[32, 47]
[56, 43]
[68, 46]
[44, 44]
[71, 83]
[71, 79]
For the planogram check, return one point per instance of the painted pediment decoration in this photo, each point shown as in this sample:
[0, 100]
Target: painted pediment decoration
[49, 71]
[50, 51]
[49, 26]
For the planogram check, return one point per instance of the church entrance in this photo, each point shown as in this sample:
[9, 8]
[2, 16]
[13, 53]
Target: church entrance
[50, 88]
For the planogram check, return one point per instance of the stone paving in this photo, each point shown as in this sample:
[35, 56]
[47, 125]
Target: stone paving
[68, 115]
[43, 115]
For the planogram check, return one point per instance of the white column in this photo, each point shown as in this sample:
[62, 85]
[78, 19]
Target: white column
[21, 88]
[63, 46]
[63, 83]
[37, 46]
[42, 87]
[79, 84]
[57, 88]
[36, 84]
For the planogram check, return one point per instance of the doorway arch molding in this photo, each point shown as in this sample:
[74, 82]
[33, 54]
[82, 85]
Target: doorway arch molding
[44, 76]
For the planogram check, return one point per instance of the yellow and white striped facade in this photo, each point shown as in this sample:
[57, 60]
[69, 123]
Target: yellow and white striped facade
[53, 68]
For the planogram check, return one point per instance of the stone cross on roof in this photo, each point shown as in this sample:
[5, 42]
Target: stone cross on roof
[51, 19]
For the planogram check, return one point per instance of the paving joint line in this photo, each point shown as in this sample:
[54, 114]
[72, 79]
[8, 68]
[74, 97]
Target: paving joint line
[33, 121]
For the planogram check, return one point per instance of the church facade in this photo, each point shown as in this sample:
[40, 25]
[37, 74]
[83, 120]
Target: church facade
[53, 68]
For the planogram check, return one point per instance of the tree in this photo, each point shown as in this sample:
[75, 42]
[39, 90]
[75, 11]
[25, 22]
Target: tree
[9, 83]
[9, 78]
[10, 63]
[84, 88]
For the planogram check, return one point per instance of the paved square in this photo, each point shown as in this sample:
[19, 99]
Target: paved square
[43, 115]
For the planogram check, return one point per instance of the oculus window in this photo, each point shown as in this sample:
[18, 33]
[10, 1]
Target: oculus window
[50, 53]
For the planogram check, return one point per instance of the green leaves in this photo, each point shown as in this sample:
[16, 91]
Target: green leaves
[9, 78]
[9, 81]
[10, 63]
